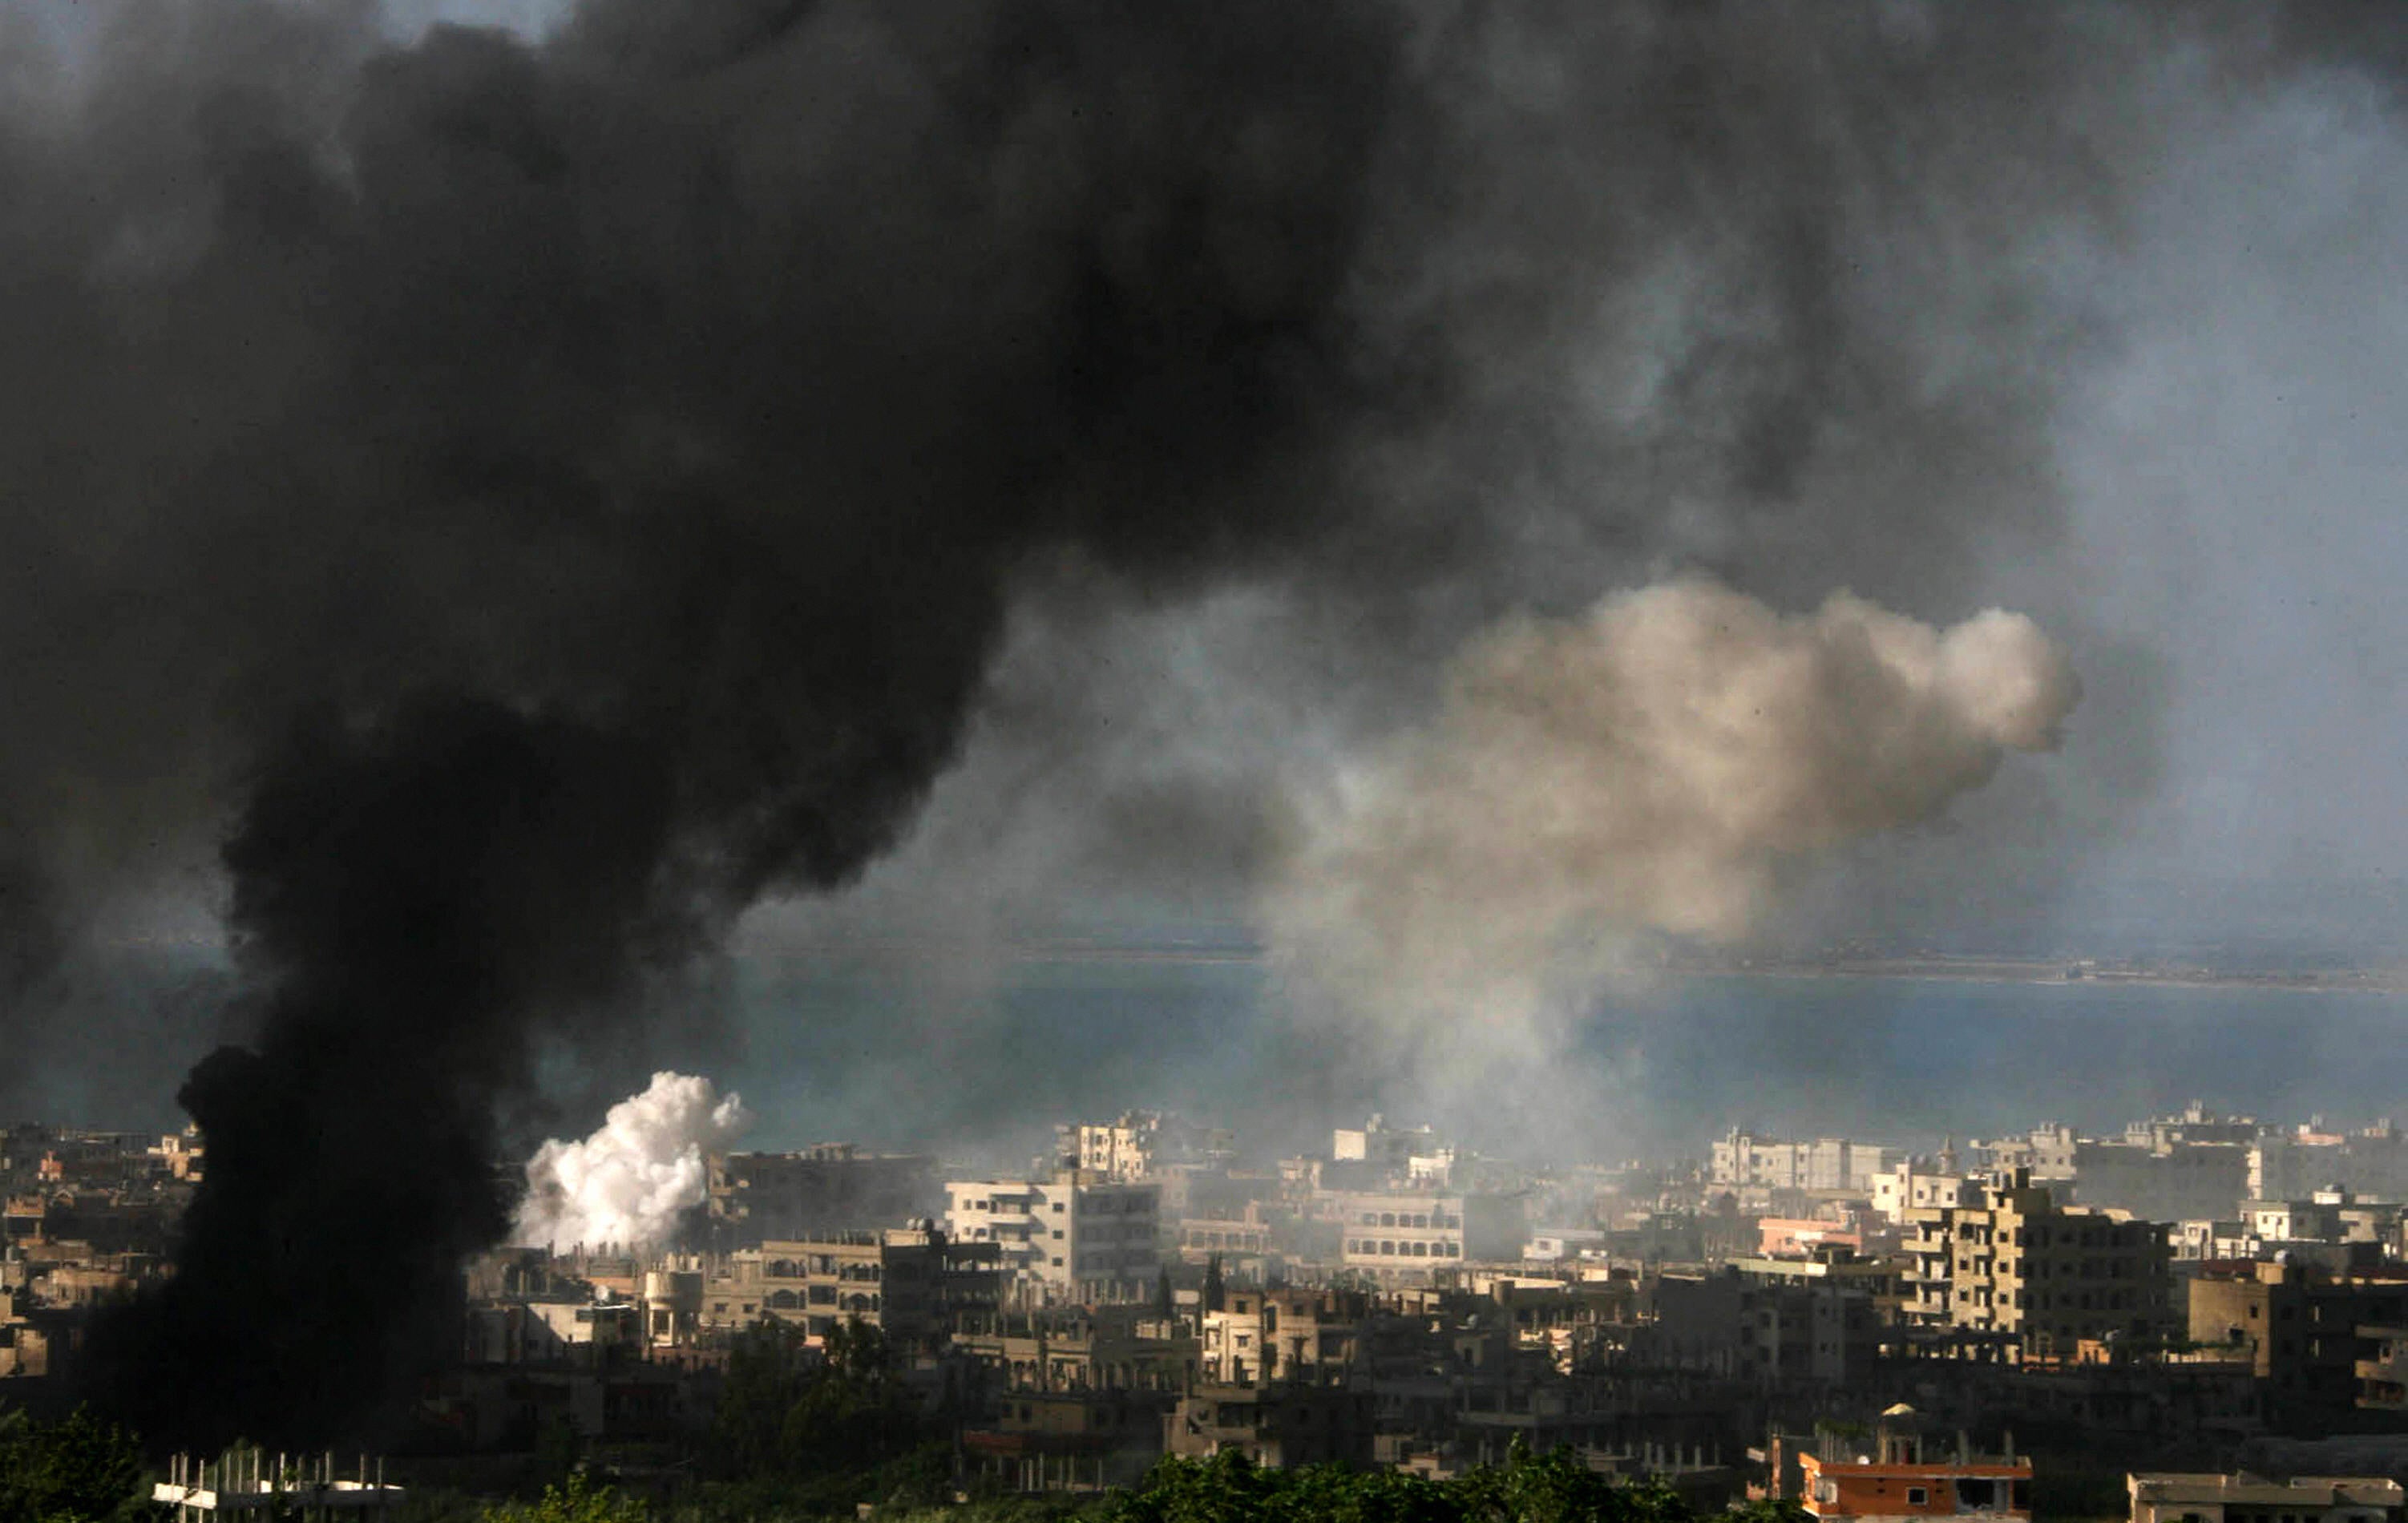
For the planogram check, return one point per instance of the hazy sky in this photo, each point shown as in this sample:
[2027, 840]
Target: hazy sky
[2113, 343]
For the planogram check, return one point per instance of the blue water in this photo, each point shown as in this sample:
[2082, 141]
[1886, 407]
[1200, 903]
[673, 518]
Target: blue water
[983, 1065]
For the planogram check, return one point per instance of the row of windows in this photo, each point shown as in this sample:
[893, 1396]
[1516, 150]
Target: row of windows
[790, 1269]
[1407, 1218]
[1197, 1238]
[1381, 1249]
[823, 1294]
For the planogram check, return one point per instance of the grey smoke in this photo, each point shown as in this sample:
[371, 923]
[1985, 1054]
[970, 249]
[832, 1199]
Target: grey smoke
[773, 404]
[1649, 766]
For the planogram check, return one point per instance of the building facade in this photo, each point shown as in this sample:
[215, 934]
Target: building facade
[1076, 1236]
[2016, 1276]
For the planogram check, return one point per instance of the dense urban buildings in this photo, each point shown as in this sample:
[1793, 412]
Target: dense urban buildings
[1858, 1325]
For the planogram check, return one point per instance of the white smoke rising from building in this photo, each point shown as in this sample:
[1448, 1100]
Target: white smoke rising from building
[631, 1180]
[1650, 766]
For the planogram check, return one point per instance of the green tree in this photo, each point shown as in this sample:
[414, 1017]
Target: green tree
[784, 1414]
[79, 1470]
[576, 1499]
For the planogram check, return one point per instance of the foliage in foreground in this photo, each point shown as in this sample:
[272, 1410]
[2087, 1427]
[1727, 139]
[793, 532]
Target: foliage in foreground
[1548, 1488]
[576, 1499]
[78, 1469]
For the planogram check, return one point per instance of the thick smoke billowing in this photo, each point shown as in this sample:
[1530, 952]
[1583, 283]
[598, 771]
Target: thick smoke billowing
[533, 498]
[637, 1175]
[1650, 766]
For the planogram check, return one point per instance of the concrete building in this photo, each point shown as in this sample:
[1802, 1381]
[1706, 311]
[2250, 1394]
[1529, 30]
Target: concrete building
[2371, 1163]
[756, 1197]
[1282, 1334]
[2303, 1329]
[1139, 1145]
[1404, 1236]
[1904, 1476]
[1279, 1426]
[2017, 1277]
[1086, 1349]
[1076, 1236]
[909, 1283]
[1385, 1149]
[2251, 1499]
[1742, 1160]
[1920, 1184]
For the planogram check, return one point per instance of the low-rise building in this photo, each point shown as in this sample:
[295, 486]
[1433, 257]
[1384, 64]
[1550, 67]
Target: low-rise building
[1906, 1477]
[2250, 1498]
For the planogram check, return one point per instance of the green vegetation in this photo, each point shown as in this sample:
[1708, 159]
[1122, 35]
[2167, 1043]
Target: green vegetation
[1547, 1488]
[576, 1499]
[81, 1470]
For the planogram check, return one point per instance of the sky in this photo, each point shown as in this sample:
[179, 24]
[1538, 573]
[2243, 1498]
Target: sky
[2164, 321]
[544, 544]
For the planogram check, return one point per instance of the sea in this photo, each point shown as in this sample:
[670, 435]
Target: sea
[983, 1063]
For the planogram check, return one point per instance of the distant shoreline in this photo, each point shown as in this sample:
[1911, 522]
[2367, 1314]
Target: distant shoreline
[2048, 970]
[1937, 967]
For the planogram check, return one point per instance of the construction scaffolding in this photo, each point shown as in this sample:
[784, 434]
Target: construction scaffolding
[248, 1481]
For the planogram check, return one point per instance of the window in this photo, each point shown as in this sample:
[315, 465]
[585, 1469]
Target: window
[1057, 1234]
[1917, 1496]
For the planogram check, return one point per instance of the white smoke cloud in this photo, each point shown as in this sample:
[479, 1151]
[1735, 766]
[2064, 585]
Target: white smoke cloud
[630, 1181]
[1650, 766]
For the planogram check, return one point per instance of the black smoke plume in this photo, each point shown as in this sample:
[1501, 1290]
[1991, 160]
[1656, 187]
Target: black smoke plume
[547, 495]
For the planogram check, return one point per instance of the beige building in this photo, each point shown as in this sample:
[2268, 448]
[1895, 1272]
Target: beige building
[1402, 1236]
[1912, 1184]
[1077, 1236]
[909, 1282]
[2016, 1276]
[1139, 1145]
[1740, 1159]
[2250, 1498]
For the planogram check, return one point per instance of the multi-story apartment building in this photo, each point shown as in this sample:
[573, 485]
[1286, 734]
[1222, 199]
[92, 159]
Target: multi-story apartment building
[1286, 1334]
[1076, 1236]
[757, 1196]
[2373, 1163]
[2304, 1329]
[1740, 1159]
[2016, 1276]
[909, 1282]
[1138, 1145]
[1917, 1183]
[1402, 1236]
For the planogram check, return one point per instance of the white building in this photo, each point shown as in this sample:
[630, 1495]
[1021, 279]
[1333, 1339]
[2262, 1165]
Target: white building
[1078, 1235]
[1384, 1146]
[1741, 1158]
[1910, 1186]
